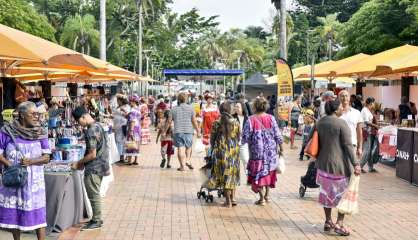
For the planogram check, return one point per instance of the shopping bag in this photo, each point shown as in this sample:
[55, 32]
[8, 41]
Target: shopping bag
[312, 147]
[244, 154]
[281, 165]
[349, 201]
[199, 147]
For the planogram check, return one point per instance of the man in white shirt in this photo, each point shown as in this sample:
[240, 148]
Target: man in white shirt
[354, 120]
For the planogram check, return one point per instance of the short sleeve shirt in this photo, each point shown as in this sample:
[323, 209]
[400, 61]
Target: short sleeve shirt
[353, 117]
[96, 138]
[182, 117]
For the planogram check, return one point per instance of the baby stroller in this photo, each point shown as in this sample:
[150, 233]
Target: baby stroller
[205, 191]
[309, 180]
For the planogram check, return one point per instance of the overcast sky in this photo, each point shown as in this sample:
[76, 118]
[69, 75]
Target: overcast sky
[232, 13]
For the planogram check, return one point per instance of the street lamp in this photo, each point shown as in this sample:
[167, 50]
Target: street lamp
[241, 52]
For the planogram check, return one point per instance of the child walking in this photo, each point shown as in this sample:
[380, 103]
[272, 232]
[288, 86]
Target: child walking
[309, 121]
[165, 130]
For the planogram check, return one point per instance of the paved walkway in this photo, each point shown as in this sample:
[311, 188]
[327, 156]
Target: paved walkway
[147, 202]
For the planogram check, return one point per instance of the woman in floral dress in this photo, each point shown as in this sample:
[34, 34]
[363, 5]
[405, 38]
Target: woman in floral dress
[145, 123]
[265, 142]
[24, 208]
[225, 138]
[133, 139]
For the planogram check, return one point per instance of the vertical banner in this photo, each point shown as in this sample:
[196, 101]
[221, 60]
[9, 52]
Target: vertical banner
[284, 79]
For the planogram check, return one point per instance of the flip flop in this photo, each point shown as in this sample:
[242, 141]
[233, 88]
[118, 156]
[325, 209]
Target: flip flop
[260, 203]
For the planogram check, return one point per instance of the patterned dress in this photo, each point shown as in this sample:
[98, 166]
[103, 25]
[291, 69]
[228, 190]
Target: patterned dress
[262, 135]
[209, 116]
[225, 170]
[146, 122]
[134, 118]
[24, 208]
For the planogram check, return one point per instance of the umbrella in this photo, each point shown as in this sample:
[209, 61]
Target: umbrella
[383, 63]
[18, 48]
[330, 70]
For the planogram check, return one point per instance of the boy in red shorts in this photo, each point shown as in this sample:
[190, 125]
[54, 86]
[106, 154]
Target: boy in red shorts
[165, 130]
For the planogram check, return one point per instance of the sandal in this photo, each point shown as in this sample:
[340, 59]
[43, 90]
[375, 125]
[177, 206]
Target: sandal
[181, 169]
[260, 203]
[135, 163]
[267, 199]
[234, 203]
[328, 226]
[227, 205]
[341, 230]
[189, 166]
[162, 164]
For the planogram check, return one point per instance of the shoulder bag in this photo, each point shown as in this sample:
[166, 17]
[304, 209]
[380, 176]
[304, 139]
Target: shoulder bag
[312, 147]
[15, 176]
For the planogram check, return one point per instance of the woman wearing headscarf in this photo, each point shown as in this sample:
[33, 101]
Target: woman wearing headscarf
[336, 163]
[265, 143]
[24, 142]
[225, 138]
[134, 131]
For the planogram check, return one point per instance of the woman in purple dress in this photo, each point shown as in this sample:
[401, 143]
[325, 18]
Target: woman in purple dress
[24, 208]
[134, 131]
[265, 142]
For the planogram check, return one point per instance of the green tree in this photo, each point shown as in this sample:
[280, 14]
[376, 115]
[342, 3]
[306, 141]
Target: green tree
[379, 25]
[20, 15]
[80, 33]
[321, 8]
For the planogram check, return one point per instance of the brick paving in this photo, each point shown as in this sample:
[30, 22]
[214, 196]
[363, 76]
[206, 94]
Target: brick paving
[147, 202]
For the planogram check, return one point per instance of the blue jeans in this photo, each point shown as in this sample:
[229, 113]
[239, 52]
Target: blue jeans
[183, 140]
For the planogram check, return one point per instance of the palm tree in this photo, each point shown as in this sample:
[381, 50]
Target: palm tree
[281, 5]
[328, 30]
[211, 48]
[80, 34]
[103, 30]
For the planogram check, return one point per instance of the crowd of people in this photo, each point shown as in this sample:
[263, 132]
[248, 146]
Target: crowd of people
[234, 131]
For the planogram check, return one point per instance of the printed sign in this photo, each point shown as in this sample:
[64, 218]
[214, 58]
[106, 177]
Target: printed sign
[405, 140]
[284, 79]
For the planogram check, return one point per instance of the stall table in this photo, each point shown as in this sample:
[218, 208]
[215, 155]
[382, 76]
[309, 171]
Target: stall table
[414, 159]
[67, 203]
[404, 159]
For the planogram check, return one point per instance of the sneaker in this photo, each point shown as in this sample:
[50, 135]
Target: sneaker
[373, 170]
[162, 164]
[168, 166]
[92, 225]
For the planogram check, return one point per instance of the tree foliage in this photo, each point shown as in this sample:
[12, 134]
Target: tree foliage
[380, 25]
[20, 15]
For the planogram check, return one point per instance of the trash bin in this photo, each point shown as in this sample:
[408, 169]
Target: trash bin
[404, 157]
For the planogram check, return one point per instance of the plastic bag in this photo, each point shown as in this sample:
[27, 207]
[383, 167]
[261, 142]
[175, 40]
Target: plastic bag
[281, 165]
[199, 147]
[244, 154]
[349, 201]
[286, 134]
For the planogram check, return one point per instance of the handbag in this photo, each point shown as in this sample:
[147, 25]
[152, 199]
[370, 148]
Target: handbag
[281, 165]
[131, 146]
[349, 201]
[312, 147]
[14, 176]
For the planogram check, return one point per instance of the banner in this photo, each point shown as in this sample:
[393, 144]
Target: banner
[284, 79]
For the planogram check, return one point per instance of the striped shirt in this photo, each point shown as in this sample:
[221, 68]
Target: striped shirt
[182, 117]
